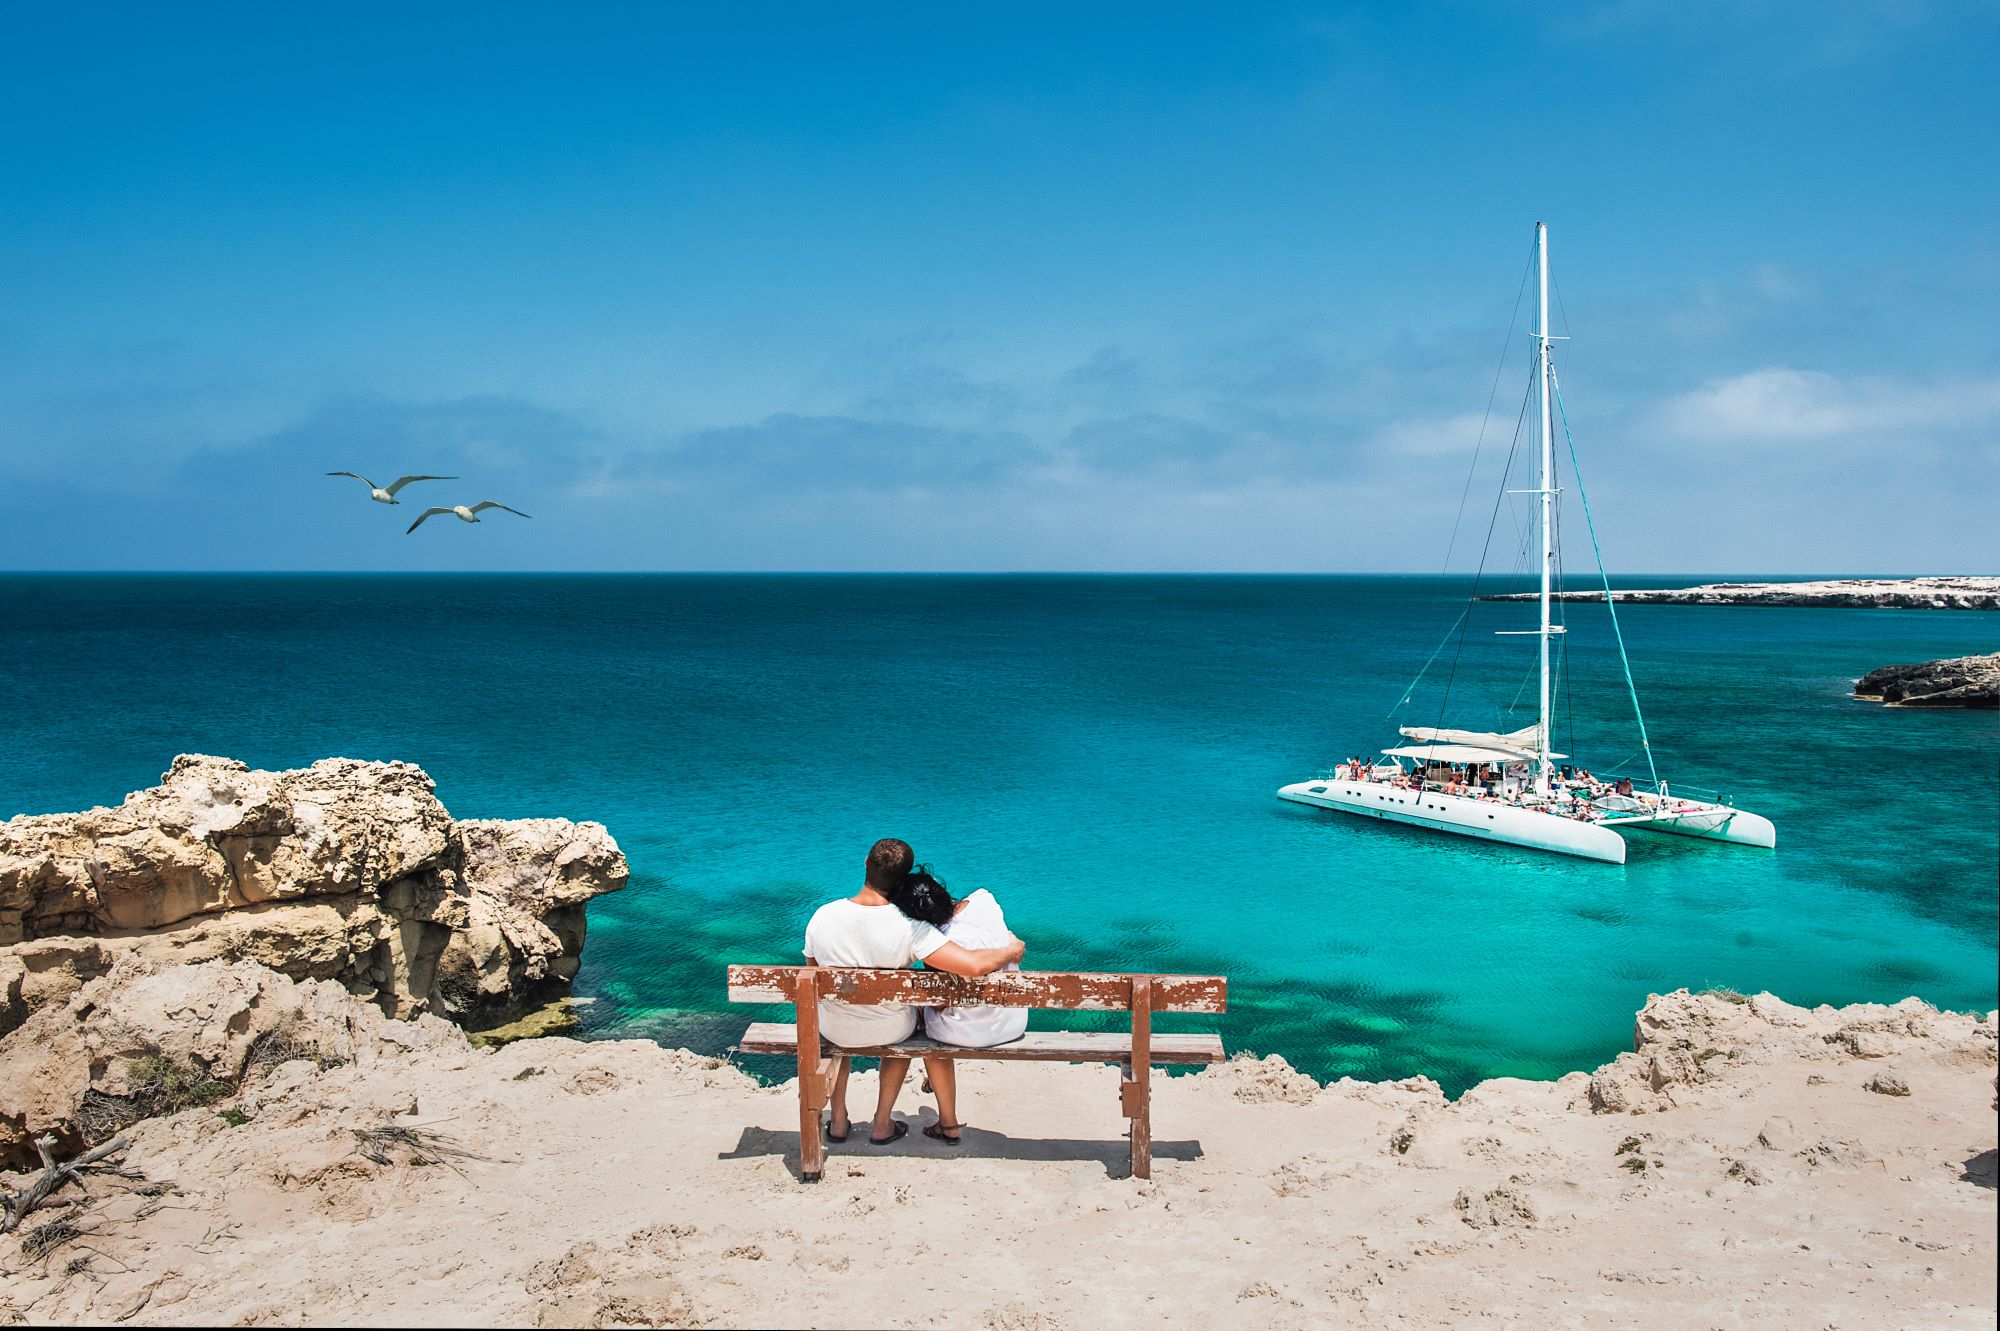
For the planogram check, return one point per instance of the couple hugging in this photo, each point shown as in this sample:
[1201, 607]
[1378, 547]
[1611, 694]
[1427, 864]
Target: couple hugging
[903, 915]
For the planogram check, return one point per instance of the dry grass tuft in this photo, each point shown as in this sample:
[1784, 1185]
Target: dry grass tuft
[395, 1143]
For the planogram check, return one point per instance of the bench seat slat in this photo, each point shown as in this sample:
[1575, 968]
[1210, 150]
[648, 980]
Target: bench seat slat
[781, 1037]
[1058, 990]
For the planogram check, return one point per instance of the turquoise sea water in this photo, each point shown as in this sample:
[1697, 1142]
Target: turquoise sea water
[1102, 752]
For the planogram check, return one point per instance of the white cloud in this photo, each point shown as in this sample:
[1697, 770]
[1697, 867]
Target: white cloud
[1440, 437]
[1782, 404]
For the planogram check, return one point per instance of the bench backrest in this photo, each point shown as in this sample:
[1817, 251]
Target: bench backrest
[1062, 990]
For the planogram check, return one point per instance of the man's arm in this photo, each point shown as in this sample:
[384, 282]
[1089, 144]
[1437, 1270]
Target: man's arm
[975, 961]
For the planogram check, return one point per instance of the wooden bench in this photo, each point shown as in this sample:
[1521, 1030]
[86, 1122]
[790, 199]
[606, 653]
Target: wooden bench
[1136, 1052]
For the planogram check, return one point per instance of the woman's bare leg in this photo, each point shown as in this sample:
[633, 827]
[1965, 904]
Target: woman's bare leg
[837, 1122]
[893, 1072]
[943, 1073]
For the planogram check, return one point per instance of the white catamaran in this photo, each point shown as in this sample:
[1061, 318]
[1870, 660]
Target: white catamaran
[1509, 787]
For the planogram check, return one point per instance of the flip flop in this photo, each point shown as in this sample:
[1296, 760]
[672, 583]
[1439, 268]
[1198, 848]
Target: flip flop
[902, 1131]
[947, 1135]
[840, 1138]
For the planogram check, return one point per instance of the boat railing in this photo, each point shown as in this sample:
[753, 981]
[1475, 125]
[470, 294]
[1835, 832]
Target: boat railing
[1682, 790]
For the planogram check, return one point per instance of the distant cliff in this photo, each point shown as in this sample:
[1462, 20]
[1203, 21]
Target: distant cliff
[1965, 593]
[345, 871]
[1961, 681]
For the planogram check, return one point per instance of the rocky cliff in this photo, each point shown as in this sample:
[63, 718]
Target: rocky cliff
[150, 1037]
[344, 871]
[1961, 681]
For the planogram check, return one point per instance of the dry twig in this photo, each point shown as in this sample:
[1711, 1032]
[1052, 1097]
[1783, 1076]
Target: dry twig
[418, 1146]
[55, 1174]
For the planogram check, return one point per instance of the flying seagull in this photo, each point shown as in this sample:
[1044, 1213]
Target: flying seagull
[386, 494]
[462, 513]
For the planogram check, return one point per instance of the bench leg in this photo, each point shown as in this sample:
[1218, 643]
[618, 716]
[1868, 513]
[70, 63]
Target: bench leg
[1135, 1101]
[812, 1151]
[812, 1076]
[1136, 1094]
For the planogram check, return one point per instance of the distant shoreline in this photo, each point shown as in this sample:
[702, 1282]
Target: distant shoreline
[1049, 575]
[1942, 593]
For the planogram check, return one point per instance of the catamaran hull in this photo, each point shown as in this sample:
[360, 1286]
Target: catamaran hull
[1712, 822]
[1487, 820]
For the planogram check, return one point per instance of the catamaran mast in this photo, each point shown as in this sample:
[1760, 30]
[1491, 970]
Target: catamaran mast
[1545, 486]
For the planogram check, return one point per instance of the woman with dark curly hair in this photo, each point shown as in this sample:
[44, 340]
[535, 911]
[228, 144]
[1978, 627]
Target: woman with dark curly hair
[970, 922]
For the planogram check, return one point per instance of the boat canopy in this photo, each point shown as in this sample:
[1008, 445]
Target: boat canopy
[1517, 744]
[1459, 753]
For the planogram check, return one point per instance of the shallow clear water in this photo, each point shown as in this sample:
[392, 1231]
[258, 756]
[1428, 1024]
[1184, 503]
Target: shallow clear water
[1102, 752]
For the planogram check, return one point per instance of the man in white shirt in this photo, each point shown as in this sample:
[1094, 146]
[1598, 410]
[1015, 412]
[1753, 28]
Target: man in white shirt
[866, 930]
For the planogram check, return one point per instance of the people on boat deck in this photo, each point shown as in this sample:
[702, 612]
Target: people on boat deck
[1573, 785]
[867, 930]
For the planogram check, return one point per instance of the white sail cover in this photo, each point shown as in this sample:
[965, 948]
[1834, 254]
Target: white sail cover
[1515, 744]
[1454, 753]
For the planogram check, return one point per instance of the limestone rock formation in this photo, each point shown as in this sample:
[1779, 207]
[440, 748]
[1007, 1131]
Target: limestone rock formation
[1685, 1039]
[147, 1037]
[345, 870]
[1960, 681]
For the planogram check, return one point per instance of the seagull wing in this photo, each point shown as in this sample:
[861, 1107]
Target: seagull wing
[485, 504]
[427, 513]
[402, 481]
[357, 476]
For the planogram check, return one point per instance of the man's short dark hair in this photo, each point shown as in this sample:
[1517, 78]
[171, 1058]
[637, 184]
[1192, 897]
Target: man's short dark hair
[889, 861]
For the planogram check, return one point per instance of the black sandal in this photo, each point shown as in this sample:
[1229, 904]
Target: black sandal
[830, 1136]
[938, 1132]
[902, 1131]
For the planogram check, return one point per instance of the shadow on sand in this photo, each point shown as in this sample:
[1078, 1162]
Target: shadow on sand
[1114, 1156]
[1983, 1169]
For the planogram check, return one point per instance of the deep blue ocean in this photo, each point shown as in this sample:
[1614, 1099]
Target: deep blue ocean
[1102, 753]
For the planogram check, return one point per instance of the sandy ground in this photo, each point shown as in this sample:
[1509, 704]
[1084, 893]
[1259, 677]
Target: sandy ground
[620, 1183]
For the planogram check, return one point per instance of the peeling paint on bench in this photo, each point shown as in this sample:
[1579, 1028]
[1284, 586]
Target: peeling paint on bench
[1069, 991]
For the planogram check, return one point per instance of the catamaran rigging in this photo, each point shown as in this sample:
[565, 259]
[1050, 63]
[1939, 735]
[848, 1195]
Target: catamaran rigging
[1507, 787]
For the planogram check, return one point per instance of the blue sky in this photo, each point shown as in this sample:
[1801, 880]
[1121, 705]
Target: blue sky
[990, 287]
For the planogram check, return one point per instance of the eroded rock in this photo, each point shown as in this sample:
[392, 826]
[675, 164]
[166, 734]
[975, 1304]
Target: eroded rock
[1960, 681]
[147, 1038]
[1886, 1083]
[345, 870]
[1495, 1208]
[1267, 1080]
[1685, 1040]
